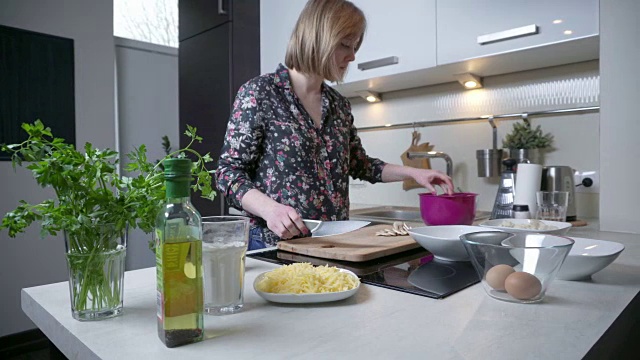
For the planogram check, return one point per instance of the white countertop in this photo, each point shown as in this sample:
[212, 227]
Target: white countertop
[376, 323]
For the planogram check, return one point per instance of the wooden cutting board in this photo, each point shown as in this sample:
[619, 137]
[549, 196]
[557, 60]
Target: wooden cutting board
[356, 246]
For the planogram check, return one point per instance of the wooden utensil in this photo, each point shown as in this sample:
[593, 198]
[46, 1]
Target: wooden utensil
[356, 246]
[416, 163]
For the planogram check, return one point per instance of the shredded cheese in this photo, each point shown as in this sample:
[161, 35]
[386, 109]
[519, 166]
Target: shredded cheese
[304, 278]
[534, 225]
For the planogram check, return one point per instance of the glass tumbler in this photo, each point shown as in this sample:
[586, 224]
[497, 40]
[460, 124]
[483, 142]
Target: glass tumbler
[552, 205]
[224, 245]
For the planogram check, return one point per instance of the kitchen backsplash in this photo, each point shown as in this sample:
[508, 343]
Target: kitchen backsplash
[576, 136]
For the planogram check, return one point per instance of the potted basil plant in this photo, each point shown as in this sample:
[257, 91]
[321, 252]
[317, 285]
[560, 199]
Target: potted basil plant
[526, 142]
[94, 208]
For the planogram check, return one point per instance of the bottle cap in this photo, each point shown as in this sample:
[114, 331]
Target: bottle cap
[177, 167]
[518, 207]
[177, 175]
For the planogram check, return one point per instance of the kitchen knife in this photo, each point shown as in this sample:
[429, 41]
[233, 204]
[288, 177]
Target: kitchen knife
[328, 228]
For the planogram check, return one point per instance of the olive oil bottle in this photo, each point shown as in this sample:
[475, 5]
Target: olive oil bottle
[178, 239]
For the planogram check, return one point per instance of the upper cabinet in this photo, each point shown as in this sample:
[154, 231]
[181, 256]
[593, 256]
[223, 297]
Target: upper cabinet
[400, 37]
[469, 29]
[413, 43]
[277, 19]
[198, 16]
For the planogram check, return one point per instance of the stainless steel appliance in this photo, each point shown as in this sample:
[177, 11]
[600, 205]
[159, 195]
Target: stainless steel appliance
[560, 178]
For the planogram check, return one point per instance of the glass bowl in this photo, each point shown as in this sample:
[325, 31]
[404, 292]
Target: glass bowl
[516, 267]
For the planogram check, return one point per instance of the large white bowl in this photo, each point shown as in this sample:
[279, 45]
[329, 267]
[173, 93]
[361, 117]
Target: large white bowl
[443, 241]
[559, 228]
[587, 257]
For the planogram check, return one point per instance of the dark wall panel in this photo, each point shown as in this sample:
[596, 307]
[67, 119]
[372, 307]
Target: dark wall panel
[36, 82]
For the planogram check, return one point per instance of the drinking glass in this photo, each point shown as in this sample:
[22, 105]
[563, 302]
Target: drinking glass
[224, 245]
[552, 205]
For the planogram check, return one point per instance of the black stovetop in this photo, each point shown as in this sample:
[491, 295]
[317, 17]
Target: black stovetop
[414, 271]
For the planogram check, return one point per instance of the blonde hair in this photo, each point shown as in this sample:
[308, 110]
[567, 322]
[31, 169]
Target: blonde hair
[320, 28]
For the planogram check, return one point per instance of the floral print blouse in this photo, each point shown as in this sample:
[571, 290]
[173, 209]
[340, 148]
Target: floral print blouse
[272, 145]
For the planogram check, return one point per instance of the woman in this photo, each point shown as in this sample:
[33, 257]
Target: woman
[291, 145]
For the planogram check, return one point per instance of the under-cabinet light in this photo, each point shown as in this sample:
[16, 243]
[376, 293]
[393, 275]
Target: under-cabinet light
[469, 80]
[370, 96]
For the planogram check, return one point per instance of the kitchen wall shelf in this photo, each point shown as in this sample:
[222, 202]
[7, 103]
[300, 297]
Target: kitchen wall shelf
[513, 116]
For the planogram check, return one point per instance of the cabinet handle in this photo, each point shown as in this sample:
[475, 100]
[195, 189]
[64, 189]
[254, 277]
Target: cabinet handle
[508, 34]
[391, 60]
[221, 10]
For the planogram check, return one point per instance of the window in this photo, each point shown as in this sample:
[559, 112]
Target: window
[153, 21]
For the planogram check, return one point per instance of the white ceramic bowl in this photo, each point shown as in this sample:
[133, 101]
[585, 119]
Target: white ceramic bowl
[587, 257]
[535, 226]
[443, 241]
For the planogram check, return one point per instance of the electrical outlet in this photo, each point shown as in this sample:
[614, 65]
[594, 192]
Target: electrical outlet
[582, 177]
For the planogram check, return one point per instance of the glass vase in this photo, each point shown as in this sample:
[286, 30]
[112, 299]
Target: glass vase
[95, 260]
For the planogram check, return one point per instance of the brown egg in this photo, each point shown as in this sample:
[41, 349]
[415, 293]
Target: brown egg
[497, 275]
[522, 285]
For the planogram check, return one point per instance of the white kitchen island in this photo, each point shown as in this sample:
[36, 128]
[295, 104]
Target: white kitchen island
[574, 319]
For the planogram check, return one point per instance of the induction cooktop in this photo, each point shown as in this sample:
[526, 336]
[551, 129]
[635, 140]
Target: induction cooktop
[414, 271]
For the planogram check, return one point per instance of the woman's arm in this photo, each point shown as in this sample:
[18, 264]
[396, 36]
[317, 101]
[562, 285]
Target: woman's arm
[374, 170]
[239, 157]
[425, 177]
[240, 152]
[283, 220]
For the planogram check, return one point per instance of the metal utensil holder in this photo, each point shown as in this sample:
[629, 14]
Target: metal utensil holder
[490, 160]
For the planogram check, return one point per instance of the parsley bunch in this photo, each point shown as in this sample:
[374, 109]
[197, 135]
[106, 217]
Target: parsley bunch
[88, 187]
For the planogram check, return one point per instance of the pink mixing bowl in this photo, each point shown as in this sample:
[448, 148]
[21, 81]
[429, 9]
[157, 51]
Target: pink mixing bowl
[455, 209]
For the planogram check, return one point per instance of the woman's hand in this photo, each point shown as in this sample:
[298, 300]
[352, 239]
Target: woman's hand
[425, 177]
[432, 178]
[283, 220]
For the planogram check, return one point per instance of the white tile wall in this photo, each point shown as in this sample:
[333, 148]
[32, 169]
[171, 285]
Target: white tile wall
[576, 136]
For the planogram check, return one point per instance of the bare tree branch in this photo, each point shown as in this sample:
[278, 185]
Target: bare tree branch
[153, 21]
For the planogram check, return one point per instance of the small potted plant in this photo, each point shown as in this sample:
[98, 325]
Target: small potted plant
[525, 142]
[94, 207]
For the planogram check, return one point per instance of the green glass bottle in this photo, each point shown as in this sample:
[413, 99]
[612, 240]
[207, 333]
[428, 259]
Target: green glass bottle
[178, 239]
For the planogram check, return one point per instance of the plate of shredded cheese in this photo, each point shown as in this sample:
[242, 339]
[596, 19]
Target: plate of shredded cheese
[304, 283]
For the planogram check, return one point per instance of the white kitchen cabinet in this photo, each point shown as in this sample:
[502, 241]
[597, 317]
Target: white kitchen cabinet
[404, 32]
[277, 19]
[469, 29]
[400, 37]
[433, 40]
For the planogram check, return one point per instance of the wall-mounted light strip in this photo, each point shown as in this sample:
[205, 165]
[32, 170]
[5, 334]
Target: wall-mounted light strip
[516, 116]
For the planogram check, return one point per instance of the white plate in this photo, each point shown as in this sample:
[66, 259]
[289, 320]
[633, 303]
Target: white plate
[561, 227]
[306, 298]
